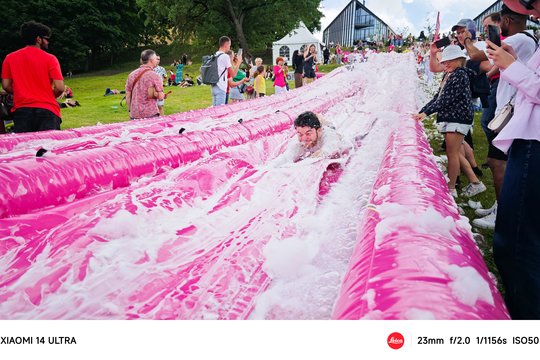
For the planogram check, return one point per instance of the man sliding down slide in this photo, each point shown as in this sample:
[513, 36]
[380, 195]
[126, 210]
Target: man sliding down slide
[315, 140]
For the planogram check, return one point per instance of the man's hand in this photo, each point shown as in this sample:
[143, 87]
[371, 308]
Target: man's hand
[433, 49]
[464, 35]
[502, 56]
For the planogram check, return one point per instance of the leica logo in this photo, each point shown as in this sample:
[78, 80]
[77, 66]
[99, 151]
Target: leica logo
[395, 340]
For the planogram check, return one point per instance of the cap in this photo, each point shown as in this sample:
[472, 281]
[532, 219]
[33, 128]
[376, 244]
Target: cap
[452, 52]
[515, 5]
[462, 23]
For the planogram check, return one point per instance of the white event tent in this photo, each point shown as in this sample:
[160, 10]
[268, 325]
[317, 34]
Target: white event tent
[296, 40]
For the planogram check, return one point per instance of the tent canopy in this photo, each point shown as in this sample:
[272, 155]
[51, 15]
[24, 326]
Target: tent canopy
[295, 40]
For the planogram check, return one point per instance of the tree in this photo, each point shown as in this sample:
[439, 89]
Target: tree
[85, 32]
[254, 22]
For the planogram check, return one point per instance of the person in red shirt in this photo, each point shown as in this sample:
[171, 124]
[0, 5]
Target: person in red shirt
[35, 79]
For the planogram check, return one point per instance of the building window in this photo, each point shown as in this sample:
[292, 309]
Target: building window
[284, 52]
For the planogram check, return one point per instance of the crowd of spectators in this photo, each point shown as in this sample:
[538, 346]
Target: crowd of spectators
[511, 71]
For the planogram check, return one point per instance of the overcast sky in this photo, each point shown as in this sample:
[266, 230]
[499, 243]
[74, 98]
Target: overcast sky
[411, 13]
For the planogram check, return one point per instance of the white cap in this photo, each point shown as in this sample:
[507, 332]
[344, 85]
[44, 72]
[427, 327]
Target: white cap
[452, 52]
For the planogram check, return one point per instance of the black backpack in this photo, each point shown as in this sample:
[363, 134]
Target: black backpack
[6, 103]
[479, 82]
[209, 70]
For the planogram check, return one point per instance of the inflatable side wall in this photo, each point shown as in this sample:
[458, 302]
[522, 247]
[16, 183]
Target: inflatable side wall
[415, 257]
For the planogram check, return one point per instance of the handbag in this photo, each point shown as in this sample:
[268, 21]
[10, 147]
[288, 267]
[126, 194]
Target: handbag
[500, 120]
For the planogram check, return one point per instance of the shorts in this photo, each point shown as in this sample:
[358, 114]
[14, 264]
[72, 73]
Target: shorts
[493, 151]
[35, 119]
[446, 127]
[235, 94]
[160, 103]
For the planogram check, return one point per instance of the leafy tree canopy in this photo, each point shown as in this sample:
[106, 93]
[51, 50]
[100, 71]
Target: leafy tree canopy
[85, 32]
[250, 23]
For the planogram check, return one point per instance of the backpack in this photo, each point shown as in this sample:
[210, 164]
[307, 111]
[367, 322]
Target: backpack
[479, 82]
[209, 70]
[6, 103]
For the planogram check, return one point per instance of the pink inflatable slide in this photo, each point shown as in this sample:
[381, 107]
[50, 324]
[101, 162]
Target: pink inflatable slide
[137, 221]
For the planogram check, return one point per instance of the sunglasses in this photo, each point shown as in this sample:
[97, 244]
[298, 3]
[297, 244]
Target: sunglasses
[527, 4]
[45, 38]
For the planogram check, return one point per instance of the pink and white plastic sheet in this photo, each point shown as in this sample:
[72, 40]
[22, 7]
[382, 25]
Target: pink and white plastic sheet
[158, 225]
[415, 257]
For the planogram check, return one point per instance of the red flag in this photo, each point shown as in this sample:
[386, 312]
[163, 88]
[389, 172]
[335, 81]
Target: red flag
[437, 27]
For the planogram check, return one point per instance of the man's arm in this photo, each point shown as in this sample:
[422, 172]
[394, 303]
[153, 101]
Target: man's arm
[7, 84]
[474, 53]
[434, 64]
[58, 87]
[128, 99]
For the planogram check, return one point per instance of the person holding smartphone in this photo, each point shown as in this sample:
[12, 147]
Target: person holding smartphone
[516, 243]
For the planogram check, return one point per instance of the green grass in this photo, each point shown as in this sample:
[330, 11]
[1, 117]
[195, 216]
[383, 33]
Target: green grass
[95, 108]
[487, 198]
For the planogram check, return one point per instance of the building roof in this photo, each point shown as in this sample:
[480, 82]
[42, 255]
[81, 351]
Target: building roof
[362, 6]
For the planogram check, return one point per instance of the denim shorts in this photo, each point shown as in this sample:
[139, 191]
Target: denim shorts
[448, 127]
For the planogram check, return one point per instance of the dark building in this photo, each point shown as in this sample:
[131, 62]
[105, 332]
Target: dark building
[355, 22]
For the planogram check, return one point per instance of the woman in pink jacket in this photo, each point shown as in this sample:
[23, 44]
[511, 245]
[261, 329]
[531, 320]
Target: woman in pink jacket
[516, 244]
[280, 85]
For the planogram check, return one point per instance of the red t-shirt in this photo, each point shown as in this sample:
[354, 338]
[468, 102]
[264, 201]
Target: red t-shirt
[32, 71]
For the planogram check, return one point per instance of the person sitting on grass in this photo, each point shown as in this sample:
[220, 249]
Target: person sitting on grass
[455, 116]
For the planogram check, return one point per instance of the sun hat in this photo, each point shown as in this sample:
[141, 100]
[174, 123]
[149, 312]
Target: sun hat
[452, 52]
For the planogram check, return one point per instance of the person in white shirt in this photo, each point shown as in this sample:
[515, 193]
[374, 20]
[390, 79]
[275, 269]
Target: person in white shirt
[219, 91]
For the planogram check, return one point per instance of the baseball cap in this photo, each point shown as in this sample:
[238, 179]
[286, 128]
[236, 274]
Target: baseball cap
[461, 23]
[516, 6]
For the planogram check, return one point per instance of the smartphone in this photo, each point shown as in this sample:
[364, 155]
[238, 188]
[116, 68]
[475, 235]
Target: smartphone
[494, 35]
[442, 42]
[240, 52]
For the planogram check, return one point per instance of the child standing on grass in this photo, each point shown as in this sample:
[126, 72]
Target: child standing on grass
[260, 82]
[453, 105]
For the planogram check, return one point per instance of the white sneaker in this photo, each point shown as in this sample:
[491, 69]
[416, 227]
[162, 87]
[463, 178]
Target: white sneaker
[473, 189]
[486, 212]
[453, 192]
[487, 222]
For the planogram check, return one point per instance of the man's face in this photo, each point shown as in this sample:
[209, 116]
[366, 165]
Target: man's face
[43, 42]
[460, 33]
[488, 22]
[308, 136]
[153, 62]
[227, 46]
[505, 22]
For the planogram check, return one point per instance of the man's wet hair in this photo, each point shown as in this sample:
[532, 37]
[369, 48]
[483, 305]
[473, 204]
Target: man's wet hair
[31, 30]
[308, 119]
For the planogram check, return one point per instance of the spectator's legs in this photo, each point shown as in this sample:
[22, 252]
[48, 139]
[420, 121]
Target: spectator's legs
[297, 80]
[465, 166]
[218, 96]
[469, 154]
[453, 145]
[516, 244]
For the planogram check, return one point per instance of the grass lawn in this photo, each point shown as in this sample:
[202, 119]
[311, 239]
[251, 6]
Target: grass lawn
[89, 89]
[487, 198]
